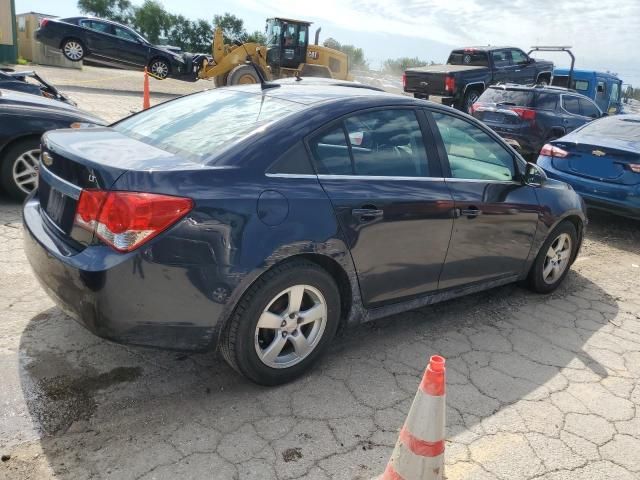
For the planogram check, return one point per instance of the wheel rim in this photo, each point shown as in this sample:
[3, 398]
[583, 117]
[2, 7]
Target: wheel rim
[246, 79]
[473, 98]
[25, 170]
[73, 50]
[557, 259]
[291, 326]
[160, 69]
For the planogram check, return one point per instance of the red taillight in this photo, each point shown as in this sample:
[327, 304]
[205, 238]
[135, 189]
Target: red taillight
[126, 220]
[404, 80]
[449, 84]
[43, 22]
[552, 151]
[525, 113]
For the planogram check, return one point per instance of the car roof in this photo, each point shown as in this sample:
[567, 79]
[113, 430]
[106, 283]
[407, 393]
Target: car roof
[485, 48]
[315, 91]
[577, 73]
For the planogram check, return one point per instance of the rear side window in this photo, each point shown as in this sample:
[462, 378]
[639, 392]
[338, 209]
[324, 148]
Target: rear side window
[198, 126]
[589, 108]
[294, 161]
[571, 105]
[518, 98]
[97, 26]
[546, 101]
[468, 57]
[380, 143]
[471, 152]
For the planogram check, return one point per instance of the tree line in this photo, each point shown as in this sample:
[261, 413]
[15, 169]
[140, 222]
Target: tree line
[155, 23]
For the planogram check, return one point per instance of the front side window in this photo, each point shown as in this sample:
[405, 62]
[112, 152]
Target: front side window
[601, 91]
[589, 108]
[571, 105]
[472, 153]
[518, 57]
[197, 126]
[615, 92]
[381, 143]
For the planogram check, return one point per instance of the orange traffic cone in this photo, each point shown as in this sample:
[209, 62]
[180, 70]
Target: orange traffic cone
[419, 452]
[146, 103]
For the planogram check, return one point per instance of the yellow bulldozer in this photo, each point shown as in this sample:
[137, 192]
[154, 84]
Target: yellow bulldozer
[287, 53]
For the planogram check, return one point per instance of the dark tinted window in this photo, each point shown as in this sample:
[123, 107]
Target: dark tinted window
[388, 143]
[500, 59]
[331, 152]
[293, 161]
[519, 98]
[125, 34]
[518, 57]
[472, 153]
[625, 128]
[97, 26]
[546, 101]
[589, 108]
[571, 105]
[468, 57]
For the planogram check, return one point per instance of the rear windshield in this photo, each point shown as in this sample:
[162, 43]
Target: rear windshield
[518, 98]
[619, 127]
[197, 126]
[473, 58]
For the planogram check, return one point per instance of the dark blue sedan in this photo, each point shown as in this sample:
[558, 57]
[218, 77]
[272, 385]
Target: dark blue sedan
[259, 221]
[601, 161]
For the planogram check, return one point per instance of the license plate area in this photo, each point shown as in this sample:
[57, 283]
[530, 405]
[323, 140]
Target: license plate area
[56, 203]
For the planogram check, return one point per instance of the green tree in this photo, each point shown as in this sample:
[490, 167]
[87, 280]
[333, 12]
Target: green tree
[256, 37]
[399, 65]
[355, 54]
[151, 19]
[332, 43]
[117, 10]
[232, 27]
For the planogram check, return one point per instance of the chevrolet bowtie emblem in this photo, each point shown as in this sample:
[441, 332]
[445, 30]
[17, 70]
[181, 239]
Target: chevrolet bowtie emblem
[598, 153]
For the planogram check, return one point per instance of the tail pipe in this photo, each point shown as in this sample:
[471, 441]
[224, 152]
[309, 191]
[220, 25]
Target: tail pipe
[318, 35]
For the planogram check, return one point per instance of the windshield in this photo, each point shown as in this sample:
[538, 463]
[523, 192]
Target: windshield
[197, 126]
[519, 98]
[468, 57]
[620, 127]
[273, 32]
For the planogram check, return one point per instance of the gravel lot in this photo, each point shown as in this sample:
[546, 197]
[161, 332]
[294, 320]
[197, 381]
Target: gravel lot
[541, 387]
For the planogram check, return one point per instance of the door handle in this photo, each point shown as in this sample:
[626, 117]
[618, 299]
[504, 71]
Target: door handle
[367, 214]
[470, 212]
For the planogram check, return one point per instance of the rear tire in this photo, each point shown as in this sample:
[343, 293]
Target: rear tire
[554, 258]
[73, 49]
[470, 97]
[278, 352]
[19, 168]
[243, 75]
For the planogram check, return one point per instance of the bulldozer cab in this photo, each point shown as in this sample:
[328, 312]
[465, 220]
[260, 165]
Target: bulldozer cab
[287, 42]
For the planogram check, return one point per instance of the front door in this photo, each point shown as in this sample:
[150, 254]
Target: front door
[525, 71]
[496, 214]
[129, 47]
[390, 198]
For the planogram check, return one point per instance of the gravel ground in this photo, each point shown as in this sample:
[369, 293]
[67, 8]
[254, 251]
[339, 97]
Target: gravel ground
[542, 387]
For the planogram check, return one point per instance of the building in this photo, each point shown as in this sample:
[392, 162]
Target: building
[8, 33]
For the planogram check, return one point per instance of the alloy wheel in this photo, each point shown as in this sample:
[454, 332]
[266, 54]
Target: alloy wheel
[160, 69]
[291, 326]
[73, 50]
[25, 170]
[471, 99]
[557, 259]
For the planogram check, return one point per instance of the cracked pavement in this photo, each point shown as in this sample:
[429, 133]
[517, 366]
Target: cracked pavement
[538, 387]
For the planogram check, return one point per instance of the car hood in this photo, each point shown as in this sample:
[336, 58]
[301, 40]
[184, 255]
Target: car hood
[11, 98]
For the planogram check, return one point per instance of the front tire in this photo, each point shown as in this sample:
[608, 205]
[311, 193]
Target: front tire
[554, 258]
[19, 168]
[159, 68]
[243, 75]
[283, 323]
[73, 49]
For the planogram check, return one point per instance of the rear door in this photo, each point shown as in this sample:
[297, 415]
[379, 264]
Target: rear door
[99, 36]
[384, 180]
[504, 71]
[496, 214]
[571, 106]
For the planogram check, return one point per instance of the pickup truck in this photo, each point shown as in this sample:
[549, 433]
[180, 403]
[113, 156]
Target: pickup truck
[469, 71]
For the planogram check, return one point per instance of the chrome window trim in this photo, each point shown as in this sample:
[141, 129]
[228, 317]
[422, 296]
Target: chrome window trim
[290, 175]
[378, 177]
[63, 186]
[478, 180]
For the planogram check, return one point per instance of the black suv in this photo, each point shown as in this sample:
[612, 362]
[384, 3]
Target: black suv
[531, 116]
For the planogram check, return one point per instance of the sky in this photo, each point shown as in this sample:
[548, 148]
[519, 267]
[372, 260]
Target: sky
[604, 34]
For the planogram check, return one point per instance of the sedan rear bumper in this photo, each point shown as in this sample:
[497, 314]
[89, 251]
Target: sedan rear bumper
[618, 199]
[121, 297]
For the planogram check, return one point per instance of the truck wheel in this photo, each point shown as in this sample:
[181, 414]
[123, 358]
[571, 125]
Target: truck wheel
[220, 80]
[242, 75]
[470, 97]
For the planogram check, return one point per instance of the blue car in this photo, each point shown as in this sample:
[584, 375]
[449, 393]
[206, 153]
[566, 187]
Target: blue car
[601, 161]
[258, 221]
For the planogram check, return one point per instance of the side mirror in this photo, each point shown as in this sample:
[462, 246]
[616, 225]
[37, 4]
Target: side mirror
[534, 175]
